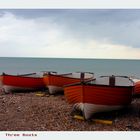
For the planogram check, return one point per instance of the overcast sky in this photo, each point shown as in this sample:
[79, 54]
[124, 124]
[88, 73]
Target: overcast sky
[70, 33]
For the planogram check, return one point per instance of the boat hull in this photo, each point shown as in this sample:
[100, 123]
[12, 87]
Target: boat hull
[89, 109]
[12, 83]
[54, 89]
[137, 88]
[91, 99]
[56, 83]
[8, 89]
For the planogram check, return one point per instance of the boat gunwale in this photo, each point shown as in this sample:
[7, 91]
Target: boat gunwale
[63, 75]
[22, 76]
[98, 85]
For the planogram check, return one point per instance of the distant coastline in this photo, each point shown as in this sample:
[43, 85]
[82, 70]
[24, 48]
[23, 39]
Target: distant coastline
[32, 57]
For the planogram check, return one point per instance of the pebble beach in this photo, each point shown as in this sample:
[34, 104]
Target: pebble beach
[29, 112]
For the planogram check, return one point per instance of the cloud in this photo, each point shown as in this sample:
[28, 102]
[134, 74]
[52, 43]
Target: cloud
[45, 37]
[25, 36]
[92, 49]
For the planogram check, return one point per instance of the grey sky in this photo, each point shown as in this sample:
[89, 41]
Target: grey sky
[74, 28]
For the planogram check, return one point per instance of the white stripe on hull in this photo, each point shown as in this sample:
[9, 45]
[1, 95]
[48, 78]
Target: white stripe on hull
[54, 89]
[9, 89]
[89, 109]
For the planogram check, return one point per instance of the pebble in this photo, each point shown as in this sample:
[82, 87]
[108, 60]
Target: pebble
[54, 114]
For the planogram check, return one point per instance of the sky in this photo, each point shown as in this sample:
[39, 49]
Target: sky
[70, 33]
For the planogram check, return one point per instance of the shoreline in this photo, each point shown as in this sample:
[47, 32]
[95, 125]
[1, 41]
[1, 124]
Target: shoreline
[28, 112]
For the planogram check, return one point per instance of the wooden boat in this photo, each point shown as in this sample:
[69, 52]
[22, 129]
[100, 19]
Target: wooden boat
[136, 86]
[14, 83]
[55, 82]
[100, 95]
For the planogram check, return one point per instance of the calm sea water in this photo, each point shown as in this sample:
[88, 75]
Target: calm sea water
[61, 65]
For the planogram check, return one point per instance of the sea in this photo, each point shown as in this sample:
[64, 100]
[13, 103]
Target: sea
[100, 67]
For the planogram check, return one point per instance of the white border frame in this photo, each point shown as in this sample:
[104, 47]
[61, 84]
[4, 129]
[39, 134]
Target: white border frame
[65, 4]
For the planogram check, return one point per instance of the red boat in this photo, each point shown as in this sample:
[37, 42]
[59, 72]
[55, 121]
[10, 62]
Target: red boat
[100, 95]
[13, 83]
[136, 86]
[55, 82]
